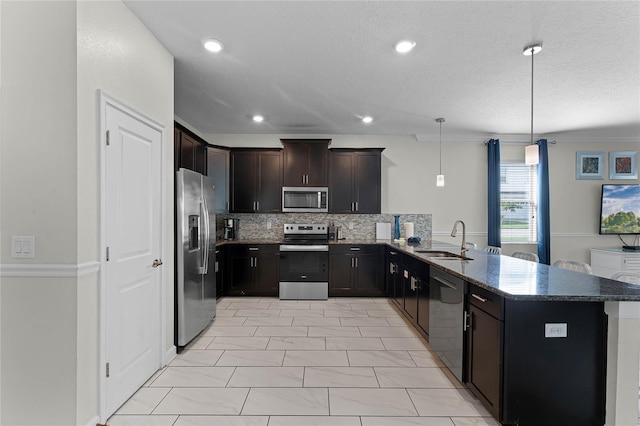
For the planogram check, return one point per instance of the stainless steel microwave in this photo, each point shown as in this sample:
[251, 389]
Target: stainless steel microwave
[304, 199]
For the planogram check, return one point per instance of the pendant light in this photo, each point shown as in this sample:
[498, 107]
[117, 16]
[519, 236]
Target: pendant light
[531, 152]
[440, 177]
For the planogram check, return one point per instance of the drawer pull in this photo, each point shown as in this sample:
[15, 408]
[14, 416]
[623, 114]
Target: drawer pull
[254, 248]
[480, 298]
[355, 248]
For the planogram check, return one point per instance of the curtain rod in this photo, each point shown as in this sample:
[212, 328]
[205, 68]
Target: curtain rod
[551, 142]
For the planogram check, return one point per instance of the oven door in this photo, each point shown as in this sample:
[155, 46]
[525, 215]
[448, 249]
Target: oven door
[304, 263]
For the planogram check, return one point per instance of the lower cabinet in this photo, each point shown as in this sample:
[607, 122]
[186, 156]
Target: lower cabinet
[412, 293]
[251, 270]
[219, 269]
[484, 340]
[356, 270]
[394, 282]
[527, 377]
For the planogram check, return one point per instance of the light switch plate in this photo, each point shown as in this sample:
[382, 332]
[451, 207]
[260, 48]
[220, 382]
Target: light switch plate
[555, 329]
[23, 247]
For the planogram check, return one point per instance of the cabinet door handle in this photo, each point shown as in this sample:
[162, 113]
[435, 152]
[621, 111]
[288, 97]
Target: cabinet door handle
[466, 323]
[352, 262]
[303, 179]
[257, 205]
[391, 269]
[216, 266]
[393, 253]
[356, 203]
[480, 298]
[255, 263]
[356, 259]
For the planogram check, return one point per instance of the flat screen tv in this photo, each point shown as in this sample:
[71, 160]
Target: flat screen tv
[620, 209]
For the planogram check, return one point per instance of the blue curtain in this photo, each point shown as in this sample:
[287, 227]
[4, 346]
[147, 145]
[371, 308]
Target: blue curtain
[494, 193]
[544, 222]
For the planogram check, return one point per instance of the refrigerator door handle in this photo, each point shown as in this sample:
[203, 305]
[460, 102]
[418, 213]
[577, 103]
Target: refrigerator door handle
[205, 245]
[208, 228]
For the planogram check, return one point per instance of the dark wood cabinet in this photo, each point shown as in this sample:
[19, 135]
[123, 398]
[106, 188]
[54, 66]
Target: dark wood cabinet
[306, 162]
[394, 277]
[355, 180]
[251, 270]
[218, 172]
[190, 152]
[256, 180]
[219, 270]
[415, 283]
[356, 270]
[484, 339]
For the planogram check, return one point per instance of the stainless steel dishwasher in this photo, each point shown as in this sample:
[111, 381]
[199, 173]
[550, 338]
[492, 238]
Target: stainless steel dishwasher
[446, 319]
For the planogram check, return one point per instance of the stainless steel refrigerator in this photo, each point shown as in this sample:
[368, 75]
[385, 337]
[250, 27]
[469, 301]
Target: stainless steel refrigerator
[195, 255]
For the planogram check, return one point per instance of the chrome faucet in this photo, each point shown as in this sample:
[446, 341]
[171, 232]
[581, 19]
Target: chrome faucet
[454, 231]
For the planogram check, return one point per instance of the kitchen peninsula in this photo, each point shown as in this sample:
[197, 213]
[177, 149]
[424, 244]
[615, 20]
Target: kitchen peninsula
[567, 343]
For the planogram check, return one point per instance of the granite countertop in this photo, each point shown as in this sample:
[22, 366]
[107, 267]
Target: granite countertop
[519, 279]
[512, 278]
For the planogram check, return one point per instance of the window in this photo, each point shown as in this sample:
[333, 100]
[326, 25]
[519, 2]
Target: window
[518, 203]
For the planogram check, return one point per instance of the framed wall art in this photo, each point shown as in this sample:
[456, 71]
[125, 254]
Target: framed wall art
[623, 165]
[590, 165]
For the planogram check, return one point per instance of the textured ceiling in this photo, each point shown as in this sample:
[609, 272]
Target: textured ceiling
[315, 67]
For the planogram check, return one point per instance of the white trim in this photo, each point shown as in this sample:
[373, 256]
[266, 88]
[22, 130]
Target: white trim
[93, 422]
[169, 355]
[49, 270]
[104, 100]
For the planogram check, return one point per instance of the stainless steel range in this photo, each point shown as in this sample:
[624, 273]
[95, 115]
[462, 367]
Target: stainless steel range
[304, 262]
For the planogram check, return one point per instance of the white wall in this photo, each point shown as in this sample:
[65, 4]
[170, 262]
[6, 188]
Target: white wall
[38, 170]
[55, 56]
[409, 170]
[116, 54]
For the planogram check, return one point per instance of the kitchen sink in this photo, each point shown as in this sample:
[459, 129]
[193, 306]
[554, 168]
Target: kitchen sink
[442, 255]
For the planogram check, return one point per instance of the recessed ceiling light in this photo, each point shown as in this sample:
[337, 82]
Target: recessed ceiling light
[213, 45]
[258, 118]
[405, 46]
[367, 119]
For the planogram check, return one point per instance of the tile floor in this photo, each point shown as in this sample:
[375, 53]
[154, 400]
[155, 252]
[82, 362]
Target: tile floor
[341, 362]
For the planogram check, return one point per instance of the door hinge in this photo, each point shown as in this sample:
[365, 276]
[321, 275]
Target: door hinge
[107, 254]
[107, 370]
[108, 132]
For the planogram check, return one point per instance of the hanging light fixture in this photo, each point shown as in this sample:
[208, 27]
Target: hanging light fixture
[531, 151]
[440, 177]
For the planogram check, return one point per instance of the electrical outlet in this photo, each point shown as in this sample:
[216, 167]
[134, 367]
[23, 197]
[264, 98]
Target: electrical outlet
[555, 329]
[350, 225]
[269, 224]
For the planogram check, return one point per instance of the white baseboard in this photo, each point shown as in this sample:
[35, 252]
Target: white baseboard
[93, 422]
[169, 355]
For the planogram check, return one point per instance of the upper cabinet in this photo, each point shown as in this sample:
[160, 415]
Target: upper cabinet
[256, 180]
[355, 180]
[218, 172]
[190, 152]
[306, 162]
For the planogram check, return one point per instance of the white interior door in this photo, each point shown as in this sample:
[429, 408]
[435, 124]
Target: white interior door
[132, 233]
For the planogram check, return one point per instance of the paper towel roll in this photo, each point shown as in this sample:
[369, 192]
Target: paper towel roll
[408, 229]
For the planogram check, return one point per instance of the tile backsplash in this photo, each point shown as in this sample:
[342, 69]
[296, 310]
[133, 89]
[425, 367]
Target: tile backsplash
[260, 226]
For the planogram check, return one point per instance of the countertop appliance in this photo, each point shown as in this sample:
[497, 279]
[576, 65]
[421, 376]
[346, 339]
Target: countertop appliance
[195, 255]
[231, 226]
[304, 262]
[304, 199]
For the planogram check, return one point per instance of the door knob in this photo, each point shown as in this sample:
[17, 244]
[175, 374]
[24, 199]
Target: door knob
[156, 263]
